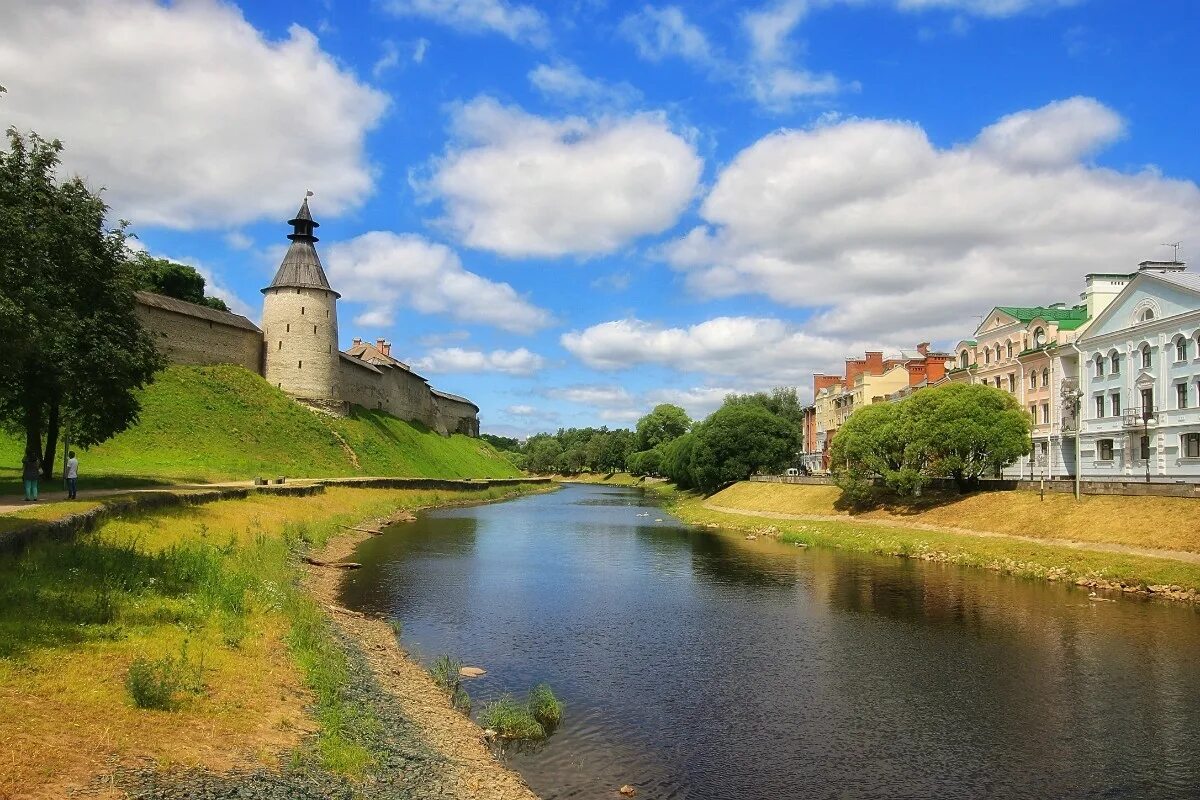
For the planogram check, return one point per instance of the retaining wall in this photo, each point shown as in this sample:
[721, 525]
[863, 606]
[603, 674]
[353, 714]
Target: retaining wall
[1123, 488]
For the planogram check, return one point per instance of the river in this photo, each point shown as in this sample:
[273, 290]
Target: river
[696, 664]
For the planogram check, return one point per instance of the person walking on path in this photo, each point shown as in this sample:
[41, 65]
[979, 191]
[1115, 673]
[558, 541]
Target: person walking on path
[31, 471]
[71, 474]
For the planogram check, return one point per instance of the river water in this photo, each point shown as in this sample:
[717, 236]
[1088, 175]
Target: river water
[696, 664]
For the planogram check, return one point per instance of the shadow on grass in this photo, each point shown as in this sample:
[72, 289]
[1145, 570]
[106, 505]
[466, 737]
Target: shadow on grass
[11, 484]
[881, 499]
[58, 593]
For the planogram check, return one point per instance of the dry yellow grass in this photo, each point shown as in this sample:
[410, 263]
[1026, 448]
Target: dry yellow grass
[65, 713]
[1167, 523]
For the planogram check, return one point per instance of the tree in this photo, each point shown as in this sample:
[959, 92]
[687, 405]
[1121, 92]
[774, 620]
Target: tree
[74, 351]
[783, 401]
[501, 443]
[542, 453]
[964, 431]
[180, 281]
[738, 440]
[676, 462]
[664, 423]
[646, 462]
[875, 442]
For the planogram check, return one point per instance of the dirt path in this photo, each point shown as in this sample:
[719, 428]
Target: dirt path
[13, 503]
[474, 772]
[1099, 547]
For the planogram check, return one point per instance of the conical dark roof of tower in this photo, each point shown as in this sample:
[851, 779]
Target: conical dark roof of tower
[301, 267]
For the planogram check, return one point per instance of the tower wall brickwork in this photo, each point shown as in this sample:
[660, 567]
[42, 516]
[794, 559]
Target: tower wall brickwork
[301, 336]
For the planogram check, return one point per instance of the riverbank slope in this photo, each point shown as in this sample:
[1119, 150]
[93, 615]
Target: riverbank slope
[200, 613]
[212, 424]
[1102, 542]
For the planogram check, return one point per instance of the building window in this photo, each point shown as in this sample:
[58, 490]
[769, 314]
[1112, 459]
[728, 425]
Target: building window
[1104, 450]
[1147, 401]
[962, 360]
[1009, 346]
[1145, 448]
[1146, 315]
[1012, 382]
[1147, 359]
[1033, 411]
[1039, 337]
[1045, 377]
[987, 356]
[1181, 395]
[1181, 349]
[1099, 366]
[1191, 445]
[997, 381]
[1116, 404]
[997, 352]
[1099, 406]
[1115, 361]
[1033, 380]
[1045, 412]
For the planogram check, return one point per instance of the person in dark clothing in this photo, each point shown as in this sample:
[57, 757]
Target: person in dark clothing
[31, 471]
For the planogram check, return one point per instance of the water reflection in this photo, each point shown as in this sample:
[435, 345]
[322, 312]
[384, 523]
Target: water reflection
[698, 664]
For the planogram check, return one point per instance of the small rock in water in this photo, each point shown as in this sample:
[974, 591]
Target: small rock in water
[471, 672]
[627, 790]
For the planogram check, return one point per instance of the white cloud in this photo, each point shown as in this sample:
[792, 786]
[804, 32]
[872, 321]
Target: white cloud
[389, 60]
[238, 240]
[563, 81]
[985, 8]
[660, 33]
[443, 339]
[186, 113]
[522, 411]
[420, 49]
[593, 395]
[522, 185]
[385, 270]
[770, 26]
[698, 401]
[456, 359]
[519, 22]
[885, 234]
[761, 350]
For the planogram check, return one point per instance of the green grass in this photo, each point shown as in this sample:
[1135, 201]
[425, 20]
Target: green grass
[206, 424]
[1015, 557]
[545, 707]
[510, 719]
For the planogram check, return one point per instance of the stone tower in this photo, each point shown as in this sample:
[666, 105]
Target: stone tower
[300, 320]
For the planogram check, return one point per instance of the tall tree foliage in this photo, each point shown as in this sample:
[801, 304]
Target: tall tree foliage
[180, 281]
[664, 423]
[74, 351]
[737, 441]
[960, 431]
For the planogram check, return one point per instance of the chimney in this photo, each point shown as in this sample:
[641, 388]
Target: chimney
[923, 348]
[874, 362]
[821, 381]
[387, 348]
[357, 340]
[379, 344]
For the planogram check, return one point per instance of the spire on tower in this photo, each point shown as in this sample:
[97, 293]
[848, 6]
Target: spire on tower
[301, 267]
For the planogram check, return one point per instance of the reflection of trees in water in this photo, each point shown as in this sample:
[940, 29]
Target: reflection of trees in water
[721, 558]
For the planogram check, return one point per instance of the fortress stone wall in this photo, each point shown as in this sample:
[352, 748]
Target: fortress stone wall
[297, 348]
[190, 334]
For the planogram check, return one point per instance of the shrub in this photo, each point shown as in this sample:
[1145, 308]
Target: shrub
[446, 674]
[159, 683]
[545, 707]
[511, 719]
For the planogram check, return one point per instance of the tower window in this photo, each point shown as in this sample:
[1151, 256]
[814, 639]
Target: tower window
[314, 328]
[302, 311]
[280, 347]
[299, 365]
[289, 328]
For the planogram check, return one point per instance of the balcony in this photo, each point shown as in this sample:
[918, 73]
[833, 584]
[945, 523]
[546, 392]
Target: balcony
[1140, 417]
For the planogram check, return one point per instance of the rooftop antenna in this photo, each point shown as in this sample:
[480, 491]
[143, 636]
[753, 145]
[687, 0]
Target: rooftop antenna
[1175, 246]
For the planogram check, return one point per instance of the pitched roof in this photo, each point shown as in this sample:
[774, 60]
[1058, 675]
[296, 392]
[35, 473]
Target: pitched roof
[454, 397]
[192, 310]
[1067, 318]
[1187, 280]
[301, 269]
[358, 362]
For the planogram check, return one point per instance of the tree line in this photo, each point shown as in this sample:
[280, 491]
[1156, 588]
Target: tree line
[74, 352]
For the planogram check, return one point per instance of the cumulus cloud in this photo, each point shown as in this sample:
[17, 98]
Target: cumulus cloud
[593, 395]
[760, 349]
[386, 270]
[521, 410]
[565, 82]
[522, 185]
[188, 115]
[456, 359]
[882, 233]
[665, 32]
[517, 21]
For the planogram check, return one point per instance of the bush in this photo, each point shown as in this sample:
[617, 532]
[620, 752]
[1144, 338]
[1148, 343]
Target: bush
[545, 707]
[158, 684]
[446, 674]
[511, 719]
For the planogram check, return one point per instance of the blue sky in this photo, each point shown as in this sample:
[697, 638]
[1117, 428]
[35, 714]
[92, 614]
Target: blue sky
[572, 211]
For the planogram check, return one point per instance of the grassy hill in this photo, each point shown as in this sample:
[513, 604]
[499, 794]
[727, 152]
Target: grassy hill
[207, 424]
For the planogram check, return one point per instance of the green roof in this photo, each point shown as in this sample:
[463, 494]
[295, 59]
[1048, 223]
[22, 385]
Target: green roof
[1068, 319]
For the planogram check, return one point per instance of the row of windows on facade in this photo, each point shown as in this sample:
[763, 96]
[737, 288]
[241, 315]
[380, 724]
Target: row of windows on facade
[1182, 351]
[1039, 339]
[1189, 445]
[1182, 400]
[1012, 380]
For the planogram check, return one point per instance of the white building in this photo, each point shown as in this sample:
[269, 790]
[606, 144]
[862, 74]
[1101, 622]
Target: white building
[1140, 379]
